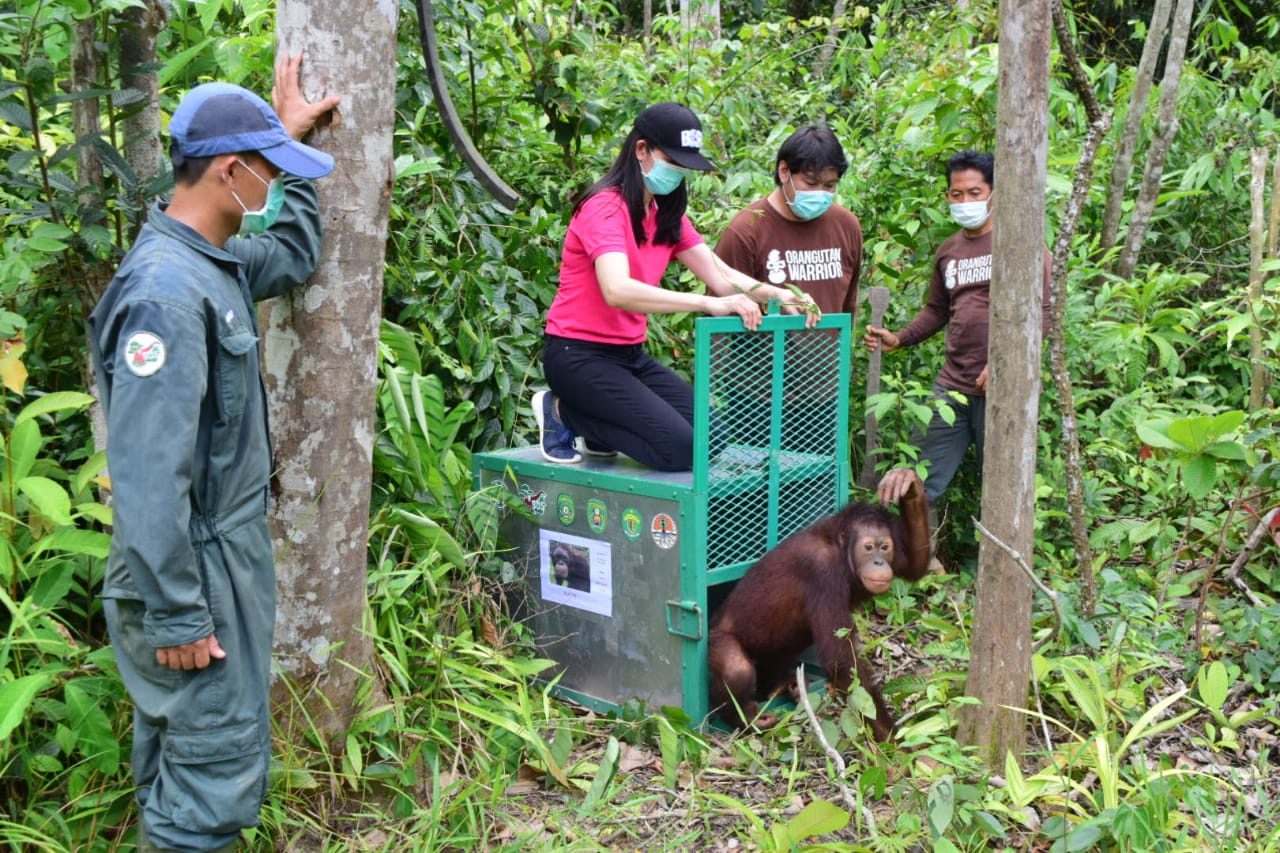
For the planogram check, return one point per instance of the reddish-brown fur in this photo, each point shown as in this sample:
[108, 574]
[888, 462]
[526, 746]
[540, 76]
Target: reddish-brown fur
[802, 593]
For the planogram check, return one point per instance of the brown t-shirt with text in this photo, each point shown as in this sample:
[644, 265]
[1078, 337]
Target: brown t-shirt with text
[960, 299]
[823, 257]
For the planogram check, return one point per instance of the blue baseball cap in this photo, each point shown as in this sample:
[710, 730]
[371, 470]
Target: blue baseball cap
[222, 118]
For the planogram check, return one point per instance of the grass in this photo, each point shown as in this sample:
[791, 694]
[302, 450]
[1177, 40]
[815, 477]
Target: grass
[456, 747]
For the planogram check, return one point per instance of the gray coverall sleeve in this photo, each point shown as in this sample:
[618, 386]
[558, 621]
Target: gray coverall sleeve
[285, 255]
[153, 424]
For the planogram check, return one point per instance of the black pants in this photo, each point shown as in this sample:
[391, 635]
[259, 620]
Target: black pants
[618, 397]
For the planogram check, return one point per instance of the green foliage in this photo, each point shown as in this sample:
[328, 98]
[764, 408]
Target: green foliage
[72, 204]
[61, 702]
[817, 818]
[1199, 446]
[1255, 631]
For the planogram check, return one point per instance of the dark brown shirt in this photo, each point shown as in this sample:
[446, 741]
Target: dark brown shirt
[960, 299]
[822, 257]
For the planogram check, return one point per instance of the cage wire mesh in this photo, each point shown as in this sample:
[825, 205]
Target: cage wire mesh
[777, 433]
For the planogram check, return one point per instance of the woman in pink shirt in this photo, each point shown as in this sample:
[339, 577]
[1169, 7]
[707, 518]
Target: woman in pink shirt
[624, 232]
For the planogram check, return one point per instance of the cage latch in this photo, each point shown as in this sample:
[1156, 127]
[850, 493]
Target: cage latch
[684, 619]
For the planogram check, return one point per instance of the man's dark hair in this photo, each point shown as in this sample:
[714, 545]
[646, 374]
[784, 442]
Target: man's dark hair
[188, 171]
[979, 161]
[625, 174]
[810, 150]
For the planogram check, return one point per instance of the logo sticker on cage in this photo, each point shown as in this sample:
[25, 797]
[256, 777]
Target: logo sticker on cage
[663, 530]
[535, 501]
[597, 515]
[632, 523]
[565, 509]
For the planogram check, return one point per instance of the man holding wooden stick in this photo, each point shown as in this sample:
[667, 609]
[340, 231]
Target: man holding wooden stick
[959, 299]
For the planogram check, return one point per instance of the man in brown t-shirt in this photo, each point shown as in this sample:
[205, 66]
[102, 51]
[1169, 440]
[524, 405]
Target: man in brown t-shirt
[798, 235]
[959, 298]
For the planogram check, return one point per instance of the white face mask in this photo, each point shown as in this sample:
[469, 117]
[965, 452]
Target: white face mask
[971, 214]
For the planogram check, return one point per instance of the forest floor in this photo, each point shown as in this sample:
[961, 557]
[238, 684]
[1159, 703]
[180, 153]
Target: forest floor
[730, 806]
[735, 791]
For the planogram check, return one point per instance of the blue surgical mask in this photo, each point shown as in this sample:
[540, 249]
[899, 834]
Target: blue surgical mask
[663, 178]
[257, 221]
[971, 214]
[809, 204]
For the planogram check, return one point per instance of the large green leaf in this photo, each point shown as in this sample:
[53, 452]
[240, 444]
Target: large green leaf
[605, 773]
[817, 818]
[941, 805]
[74, 540]
[94, 736]
[48, 497]
[16, 697]
[1087, 694]
[1191, 434]
[1199, 474]
[58, 401]
[1213, 684]
[1156, 434]
[93, 467]
[49, 237]
[402, 346]
[24, 446]
[1231, 450]
[426, 532]
[175, 64]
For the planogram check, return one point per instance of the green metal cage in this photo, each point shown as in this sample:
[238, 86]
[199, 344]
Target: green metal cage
[777, 400]
[771, 442]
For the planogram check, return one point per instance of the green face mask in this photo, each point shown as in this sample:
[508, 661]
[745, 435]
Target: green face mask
[257, 221]
[809, 204]
[663, 178]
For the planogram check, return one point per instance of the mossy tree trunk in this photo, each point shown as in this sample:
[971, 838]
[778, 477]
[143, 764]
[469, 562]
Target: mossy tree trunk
[320, 369]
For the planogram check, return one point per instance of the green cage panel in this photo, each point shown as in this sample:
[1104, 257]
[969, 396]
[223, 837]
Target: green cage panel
[624, 564]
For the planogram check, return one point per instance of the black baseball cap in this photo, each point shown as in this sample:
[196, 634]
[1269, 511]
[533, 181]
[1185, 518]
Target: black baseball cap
[676, 130]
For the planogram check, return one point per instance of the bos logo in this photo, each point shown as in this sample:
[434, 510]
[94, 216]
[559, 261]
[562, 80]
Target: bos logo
[691, 138]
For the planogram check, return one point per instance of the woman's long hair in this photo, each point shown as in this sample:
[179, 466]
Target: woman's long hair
[625, 174]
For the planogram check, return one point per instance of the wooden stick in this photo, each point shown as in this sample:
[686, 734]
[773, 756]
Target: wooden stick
[878, 298]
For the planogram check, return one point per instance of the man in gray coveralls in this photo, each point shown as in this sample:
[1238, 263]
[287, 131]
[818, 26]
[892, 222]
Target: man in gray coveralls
[190, 584]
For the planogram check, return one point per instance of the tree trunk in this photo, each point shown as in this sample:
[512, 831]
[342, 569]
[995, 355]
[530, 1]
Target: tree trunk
[703, 16]
[1000, 658]
[1166, 127]
[1273, 228]
[86, 122]
[1099, 124]
[1257, 223]
[86, 112]
[320, 367]
[141, 128]
[1123, 166]
[833, 38]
